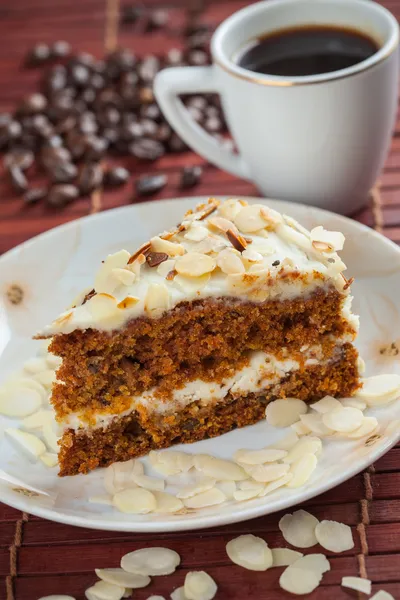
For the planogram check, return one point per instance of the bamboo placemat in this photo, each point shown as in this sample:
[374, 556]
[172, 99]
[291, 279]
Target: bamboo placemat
[38, 557]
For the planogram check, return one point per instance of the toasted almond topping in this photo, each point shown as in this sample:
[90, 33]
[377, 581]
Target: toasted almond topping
[249, 219]
[230, 208]
[237, 241]
[212, 207]
[128, 302]
[322, 246]
[166, 267]
[194, 264]
[348, 282]
[252, 255]
[196, 234]
[64, 318]
[221, 224]
[271, 217]
[142, 250]
[156, 258]
[124, 276]
[170, 248]
[171, 275]
[334, 239]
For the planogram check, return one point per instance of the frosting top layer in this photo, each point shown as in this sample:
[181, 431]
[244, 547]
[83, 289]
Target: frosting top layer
[234, 249]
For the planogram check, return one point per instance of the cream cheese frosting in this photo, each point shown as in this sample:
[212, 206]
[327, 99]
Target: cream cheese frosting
[229, 249]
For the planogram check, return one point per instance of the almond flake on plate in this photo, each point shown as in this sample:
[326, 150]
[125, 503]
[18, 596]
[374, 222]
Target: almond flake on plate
[302, 470]
[300, 429]
[268, 472]
[49, 459]
[19, 401]
[202, 485]
[298, 529]
[38, 419]
[151, 561]
[138, 501]
[354, 403]
[242, 495]
[283, 557]
[334, 536]
[287, 442]
[306, 445]
[208, 498]
[35, 365]
[258, 457]
[31, 445]
[326, 404]
[274, 485]
[149, 483]
[102, 590]
[227, 487]
[315, 424]
[344, 419]
[122, 578]
[46, 378]
[199, 586]
[285, 411]
[250, 552]
[357, 583]
[219, 468]
[368, 426]
[50, 437]
[380, 389]
[167, 503]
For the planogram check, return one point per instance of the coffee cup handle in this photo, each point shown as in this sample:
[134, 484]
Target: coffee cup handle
[168, 85]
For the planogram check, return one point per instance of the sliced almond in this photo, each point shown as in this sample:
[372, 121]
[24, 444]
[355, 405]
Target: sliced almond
[122, 578]
[357, 583]
[229, 262]
[19, 401]
[196, 234]
[287, 441]
[35, 365]
[149, 483]
[31, 445]
[242, 495]
[221, 224]
[285, 411]
[298, 529]
[194, 264]
[209, 498]
[382, 595]
[283, 557]
[166, 267]
[249, 219]
[157, 299]
[138, 501]
[250, 552]
[369, 425]
[191, 286]
[276, 484]
[105, 591]
[258, 457]
[167, 503]
[326, 405]
[202, 485]
[380, 389]
[343, 419]
[151, 561]
[333, 536]
[299, 581]
[333, 239]
[104, 281]
[302, 470]
[178, 594]
[307, 444]
[315, 424]
[171, 248]
[49, 459]
[268, 472]
[230, 208]
[199, 586]
[220, 469]
[123, 276]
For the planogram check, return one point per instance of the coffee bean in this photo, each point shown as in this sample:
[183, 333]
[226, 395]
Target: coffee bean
[146, 95]
[157, 19]
[132, 131]
[20, 158]
[196, 114]
[150, 184]
[54, 141]
[34, 195]
[90, 178]
[174, 57]
[213, 124]
[198, 102]
[85, 58]
[130, 14]
[87, 123]
[199, 41]
[62, 194]
[56, 79]
[194, 27]
[109, 116]
[42, 126]
[76, 143]
[176, 144]
[9, 132]
[95, 147]
[38, 55]
[18, 179]
[5, 119]
[66, 124]
[110, 134]
[60, 49]
[64, 172]
[149, 68]
[79, 74]
[116, 176]
[149, 128]
[120, 61]
[88, 96]
[147, 149]
[190, 176]
[198, 58]
[33, 104]
[164, 132]
[150, 111]
[52, 156]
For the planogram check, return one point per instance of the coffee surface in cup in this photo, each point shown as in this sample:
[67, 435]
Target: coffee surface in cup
[306, 50]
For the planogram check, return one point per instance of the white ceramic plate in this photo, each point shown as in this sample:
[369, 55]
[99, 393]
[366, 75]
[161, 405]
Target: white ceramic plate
[52, 268]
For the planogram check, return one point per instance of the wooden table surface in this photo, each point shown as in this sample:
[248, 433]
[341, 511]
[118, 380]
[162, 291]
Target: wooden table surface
[38, 557]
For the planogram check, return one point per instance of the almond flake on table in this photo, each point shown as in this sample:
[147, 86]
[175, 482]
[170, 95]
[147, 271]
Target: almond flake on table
[306, 445]
[258, 457]
[357, 583]
[30, 444]
[202, 485]
[58, 597]
[284, 412]
[344, 419]
[102, 590]
[167, 503]
[283, 557]
[122, 578]
[178, 594]
[268, 472]
[302, 470]
[380, 389]
[219, 468]
[199, 586]
[156, 598]
[304, 575]
[325, 405]
[250, 552]
[128, 593]
[298, 529]
[209, 498]
[334, 536]
[382, 595]
[135, 501]
[19, 401]
[151, 561]
[315, 562]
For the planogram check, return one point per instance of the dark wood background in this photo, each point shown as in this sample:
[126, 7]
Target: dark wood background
[38, 557]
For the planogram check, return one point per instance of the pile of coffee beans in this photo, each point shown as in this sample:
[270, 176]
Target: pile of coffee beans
[89, 110]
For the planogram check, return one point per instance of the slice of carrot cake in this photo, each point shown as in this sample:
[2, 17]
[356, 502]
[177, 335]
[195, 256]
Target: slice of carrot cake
[194, 333]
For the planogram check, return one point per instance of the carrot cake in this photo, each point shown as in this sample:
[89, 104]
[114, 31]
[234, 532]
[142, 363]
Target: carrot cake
[195, 332]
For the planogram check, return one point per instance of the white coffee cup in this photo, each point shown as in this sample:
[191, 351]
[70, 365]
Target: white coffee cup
[319, 139]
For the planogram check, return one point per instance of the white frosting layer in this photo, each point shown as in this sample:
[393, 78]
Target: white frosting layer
[263, 371]
[236, 250]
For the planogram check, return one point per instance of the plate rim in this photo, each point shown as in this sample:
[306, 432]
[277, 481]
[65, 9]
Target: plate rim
[202, 521]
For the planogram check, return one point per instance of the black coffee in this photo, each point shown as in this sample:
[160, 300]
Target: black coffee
[306, 50]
